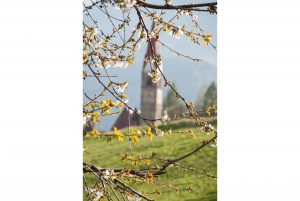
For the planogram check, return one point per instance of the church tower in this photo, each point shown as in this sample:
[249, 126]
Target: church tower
[151, 100]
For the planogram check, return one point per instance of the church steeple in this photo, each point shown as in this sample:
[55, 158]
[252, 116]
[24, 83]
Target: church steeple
[151, 100]
[154, 45]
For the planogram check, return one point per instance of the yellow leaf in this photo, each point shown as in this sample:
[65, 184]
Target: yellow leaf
[105, 103]
[94, 133]
[148, 162]
[181, 134]
[169, 132]
[206, 39]
[104, 45]
[149, 177]
[119, 104]
[95, 117]
[135, 139]
[167, 27]
[149, 133]
[119, 135]
[191, 133]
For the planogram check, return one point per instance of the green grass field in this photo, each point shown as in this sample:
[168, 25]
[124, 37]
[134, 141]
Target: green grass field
[103, 154]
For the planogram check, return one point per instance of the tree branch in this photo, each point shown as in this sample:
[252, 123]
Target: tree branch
[134, 191]
[188, 154]
[167, 6]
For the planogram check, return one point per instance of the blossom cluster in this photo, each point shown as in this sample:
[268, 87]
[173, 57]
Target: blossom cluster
[95, 193]
[165, 118]
[125, 5]
[110, 61]
[155, 75]
[134, 198]
[177, 32]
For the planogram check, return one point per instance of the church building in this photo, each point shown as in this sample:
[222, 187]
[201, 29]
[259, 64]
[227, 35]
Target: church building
[151, 96]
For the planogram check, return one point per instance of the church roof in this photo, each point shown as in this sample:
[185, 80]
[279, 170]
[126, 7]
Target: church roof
[126, 118]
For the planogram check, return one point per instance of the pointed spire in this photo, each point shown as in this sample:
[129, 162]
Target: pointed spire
[154, 44]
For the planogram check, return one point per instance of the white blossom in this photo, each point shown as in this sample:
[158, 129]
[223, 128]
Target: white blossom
[125, 64]
[194, 17]
[169, 2]
[121, 64]
[104, 63]
[121, 87]
[155, 75]
[137, 47]
[183, 12]
[106, 174]
[94, 31]
[86, 118]
[211, 127]
[118, 64]
[142, 34]
[99, 63]
[97, 44]
[159, 132]
[156, 18]
[152, 60]
[214, 144]
[98, 195]
[177, 32]
[107, 63]
[165, 118]
[134, 198]
[152, 34]
[125, 5]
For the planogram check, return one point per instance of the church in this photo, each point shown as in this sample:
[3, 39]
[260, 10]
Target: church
[151, 96]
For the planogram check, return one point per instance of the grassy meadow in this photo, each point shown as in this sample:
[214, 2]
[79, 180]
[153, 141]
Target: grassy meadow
[103, 154]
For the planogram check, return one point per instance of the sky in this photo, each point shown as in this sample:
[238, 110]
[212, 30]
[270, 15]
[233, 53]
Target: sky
[189, 76]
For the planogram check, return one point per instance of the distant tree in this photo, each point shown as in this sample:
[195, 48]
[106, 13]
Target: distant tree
[171, 99]
[199, 101]
[172, 104]
[210, 96]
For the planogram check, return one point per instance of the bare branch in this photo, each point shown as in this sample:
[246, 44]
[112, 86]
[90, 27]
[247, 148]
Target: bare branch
[168, 6]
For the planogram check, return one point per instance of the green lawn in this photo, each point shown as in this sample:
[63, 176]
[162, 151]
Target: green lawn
[103, 154]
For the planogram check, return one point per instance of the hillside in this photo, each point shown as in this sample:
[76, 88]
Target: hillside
[105, 154]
